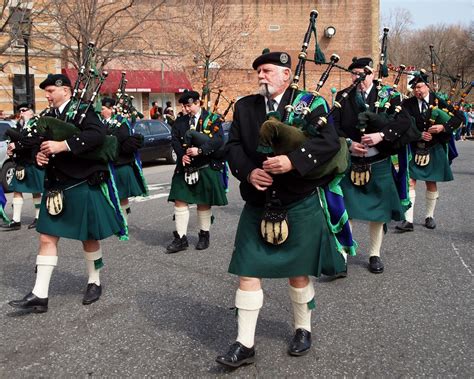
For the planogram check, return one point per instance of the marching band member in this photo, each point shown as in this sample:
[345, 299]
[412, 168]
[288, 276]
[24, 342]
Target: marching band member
[309, 247]
[376, 201]
[429, 155]
[203, 186]
[28, 178]
[129, 177]
[83, 213]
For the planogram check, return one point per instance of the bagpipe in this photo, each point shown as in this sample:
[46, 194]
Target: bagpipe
[85, 92]
[124, 105]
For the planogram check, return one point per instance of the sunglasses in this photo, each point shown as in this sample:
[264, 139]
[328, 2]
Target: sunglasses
[24, 110]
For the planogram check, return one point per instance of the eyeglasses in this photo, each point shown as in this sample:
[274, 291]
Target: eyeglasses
[24, 110]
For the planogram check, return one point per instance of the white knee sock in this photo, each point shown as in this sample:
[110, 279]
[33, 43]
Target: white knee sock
[45, 265]
[431, 202]
[17, 206]
[410, 211]
[303, 302]
[181, 219]
[376, 237]
[248, 305]
[94, 264]
[37, 204]
[204, 220]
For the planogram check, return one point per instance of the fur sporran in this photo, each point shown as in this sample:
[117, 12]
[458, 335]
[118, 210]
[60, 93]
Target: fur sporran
[274, 226]
[361, 173]
[20, 173]
[422, 155]
[55, 202]
[191, 175]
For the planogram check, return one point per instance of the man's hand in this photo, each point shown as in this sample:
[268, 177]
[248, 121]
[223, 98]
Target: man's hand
[41, 159]
[260, 179]
[358, 149]
[192, 151]
[435, 129]
[426, 136]
[10, 148]
[280, 164]
[371, 139]
[53, 147]
[186, 160]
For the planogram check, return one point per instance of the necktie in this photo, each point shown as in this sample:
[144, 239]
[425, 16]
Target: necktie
[360, 101]
[56, 112]
[424, 108]
[271, 104]
[192, 122]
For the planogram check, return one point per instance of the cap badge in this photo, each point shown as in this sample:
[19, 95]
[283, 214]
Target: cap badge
[284, 58]
[58, 83]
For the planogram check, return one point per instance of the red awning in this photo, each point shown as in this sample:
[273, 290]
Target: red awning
[141, 81]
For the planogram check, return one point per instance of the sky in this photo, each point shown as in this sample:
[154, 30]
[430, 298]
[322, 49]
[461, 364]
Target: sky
[429, 12]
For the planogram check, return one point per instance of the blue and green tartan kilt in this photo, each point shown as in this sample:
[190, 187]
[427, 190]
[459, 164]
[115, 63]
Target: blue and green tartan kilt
[32, 183]
[309, 250]
[378, 200]
[208, 190]
[438, 170]
[127, 182]
[87, 215]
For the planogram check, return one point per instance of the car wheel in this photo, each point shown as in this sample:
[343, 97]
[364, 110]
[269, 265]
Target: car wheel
[8, 170]
[172, 157]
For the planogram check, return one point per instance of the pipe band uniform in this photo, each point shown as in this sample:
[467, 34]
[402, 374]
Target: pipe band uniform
[277, 191]
[372, 192]
[79, 201]
[197, 139]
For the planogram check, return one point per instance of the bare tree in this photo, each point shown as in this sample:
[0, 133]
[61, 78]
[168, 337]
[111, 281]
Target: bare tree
[15, 22]
[400, 22]
[118, 28]
[209, 33]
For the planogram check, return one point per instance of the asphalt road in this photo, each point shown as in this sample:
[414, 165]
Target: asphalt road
[170, 315]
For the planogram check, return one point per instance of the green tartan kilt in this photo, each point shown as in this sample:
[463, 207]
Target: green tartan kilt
[309, 250]
[87, 215]
[438, 170]
[127, 182]
[378, 200]
[208, 190]
[33, 182]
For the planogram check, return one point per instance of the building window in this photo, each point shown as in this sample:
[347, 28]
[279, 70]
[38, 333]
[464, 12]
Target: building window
[19, 91]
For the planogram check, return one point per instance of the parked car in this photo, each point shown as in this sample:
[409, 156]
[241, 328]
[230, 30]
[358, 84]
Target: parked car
[7, 167]
[157, 141]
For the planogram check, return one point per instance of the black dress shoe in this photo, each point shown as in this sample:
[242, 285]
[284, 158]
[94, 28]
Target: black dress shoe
[237, 356]
[31, 302]
[178, 244]
[430, 223]
[92, 294]
[375, 265]
[405, 226]
[301, 343]
[11, 226]
[33, 224]
[203, 240]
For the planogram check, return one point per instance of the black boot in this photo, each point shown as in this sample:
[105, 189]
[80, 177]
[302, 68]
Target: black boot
[33, 224]
[31, 303]
[301, 342]
[375, 265]
[237, 356]
[203, 240]
[92, 294]
[11, 226]
[178, 244]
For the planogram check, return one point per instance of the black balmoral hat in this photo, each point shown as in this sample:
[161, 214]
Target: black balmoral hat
[57, 80]
[361, 63]
[278, 58]
[108, 102]
[189, 97]
[418, 77]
